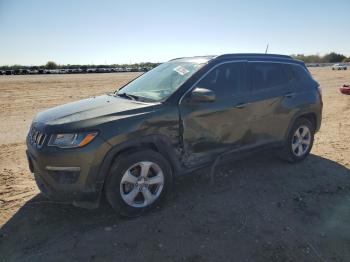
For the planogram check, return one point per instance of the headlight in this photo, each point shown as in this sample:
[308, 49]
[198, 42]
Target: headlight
[71, 140]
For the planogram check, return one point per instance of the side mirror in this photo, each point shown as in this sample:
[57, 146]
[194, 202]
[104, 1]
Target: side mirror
[202, 95]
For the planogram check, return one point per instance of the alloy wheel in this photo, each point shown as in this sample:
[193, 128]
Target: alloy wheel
[142, 184]
[301, 141]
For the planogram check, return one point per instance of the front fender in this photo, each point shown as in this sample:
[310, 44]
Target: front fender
[159, 142]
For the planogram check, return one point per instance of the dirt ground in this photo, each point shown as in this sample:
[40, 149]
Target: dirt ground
[260, 208]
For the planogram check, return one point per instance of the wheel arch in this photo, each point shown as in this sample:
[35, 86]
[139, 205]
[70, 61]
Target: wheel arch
[158, 143]
[309, 115]
[312, 117]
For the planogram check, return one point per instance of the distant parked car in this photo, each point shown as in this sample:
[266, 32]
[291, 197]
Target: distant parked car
[62, 71]
[9, 72]
[313, 65]
[119, 69]
[2, 72]
[17, 71]
[101, 70]
[339, 67]
[77, 71]
[32, 71]
[43, 71]
[91, 70]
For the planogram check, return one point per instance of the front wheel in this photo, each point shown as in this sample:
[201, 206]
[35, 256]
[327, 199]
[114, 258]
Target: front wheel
[138, 181]
[300, 140]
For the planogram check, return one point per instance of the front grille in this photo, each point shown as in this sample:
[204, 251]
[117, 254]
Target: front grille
[36, 137]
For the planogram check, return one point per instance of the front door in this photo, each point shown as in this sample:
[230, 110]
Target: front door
[211, 128]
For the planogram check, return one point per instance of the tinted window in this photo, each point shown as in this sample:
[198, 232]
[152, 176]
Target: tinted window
[226, 79]
[291, 72]
[300, 73]
[269, 75]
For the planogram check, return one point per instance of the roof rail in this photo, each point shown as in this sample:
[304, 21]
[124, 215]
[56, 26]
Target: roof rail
[176, 58]
[199, 56]
[253, 55]
[237, 55]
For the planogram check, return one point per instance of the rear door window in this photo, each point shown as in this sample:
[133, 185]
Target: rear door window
[291, 72]
[264, 75]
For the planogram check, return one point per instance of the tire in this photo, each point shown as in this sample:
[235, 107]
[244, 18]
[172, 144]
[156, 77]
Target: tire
[292, 152]
[128, 192]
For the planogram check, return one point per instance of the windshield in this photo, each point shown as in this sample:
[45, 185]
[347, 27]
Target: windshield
[162, 81]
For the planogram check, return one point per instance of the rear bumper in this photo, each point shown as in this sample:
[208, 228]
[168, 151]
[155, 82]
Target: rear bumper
[69, 175]
[319, 120]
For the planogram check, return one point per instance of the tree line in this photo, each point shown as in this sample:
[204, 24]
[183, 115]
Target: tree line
[327, 58]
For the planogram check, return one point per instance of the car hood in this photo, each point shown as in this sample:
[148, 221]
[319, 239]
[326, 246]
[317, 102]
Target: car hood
[100, 107]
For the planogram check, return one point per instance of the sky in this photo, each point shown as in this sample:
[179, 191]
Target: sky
[33, 32]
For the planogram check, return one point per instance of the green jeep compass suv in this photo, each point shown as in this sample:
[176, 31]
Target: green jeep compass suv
[178, 117]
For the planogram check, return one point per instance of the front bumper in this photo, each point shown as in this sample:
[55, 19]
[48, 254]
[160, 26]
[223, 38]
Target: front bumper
[69, 175]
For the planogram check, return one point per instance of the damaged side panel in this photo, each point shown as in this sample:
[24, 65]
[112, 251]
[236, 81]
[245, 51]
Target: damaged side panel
[211, 129]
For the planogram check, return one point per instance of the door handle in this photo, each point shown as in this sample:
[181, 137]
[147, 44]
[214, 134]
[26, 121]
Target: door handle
[241, 105]
[289, 95]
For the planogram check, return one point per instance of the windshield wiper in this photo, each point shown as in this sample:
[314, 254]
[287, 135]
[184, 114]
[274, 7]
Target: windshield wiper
[131, 97]
[135, 97]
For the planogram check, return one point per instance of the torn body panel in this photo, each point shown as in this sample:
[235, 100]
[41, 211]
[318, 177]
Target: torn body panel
[210, 129]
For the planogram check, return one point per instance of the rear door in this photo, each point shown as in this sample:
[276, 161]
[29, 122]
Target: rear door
[271, 89]
[210, 128]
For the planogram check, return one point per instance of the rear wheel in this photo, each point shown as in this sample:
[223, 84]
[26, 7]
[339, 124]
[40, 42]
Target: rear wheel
[138, 181]
[300, 140]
